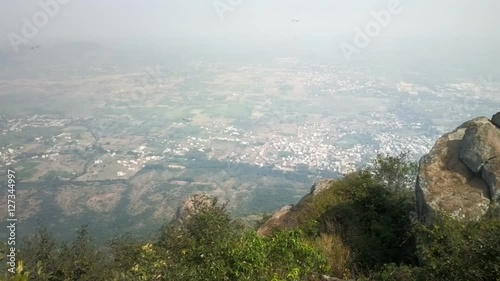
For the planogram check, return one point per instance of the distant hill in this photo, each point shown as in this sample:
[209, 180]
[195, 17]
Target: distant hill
[80, 48]
[76, 55]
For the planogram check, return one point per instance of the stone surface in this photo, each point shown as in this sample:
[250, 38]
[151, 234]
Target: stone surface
[458, 176]
[496, 119]
[194, 204]
[278, 220]
[284, 218]
[320, 185]
[481, 142]
[491, 174]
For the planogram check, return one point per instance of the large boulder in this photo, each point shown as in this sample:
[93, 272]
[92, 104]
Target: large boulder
[459, 175]
[491, 174]
[480, 144]
[496, 119]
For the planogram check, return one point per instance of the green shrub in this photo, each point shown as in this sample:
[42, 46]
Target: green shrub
[80, 260]
[456, 250]
[199, 246]
[376, 224]
[284, 256]
[394, 172]
[371, 210]
[394, 272]
[211, 246]
[292, 257]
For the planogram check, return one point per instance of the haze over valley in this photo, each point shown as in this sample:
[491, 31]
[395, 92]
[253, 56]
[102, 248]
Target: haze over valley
[116, 131]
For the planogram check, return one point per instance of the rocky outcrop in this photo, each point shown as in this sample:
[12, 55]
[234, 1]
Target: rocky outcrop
[194, 204]
[481, 143]
[319, 186]
[280, 219]
[491, 175]
[459, 175]
[496, 119]
[284, 218]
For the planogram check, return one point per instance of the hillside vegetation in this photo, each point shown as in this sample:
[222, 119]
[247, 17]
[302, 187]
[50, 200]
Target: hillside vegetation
[362, 227]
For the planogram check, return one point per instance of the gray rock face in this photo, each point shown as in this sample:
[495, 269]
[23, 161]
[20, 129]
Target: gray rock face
[480, 143]
[320, 185]
[284, 218]
[491, 174]
[459, 175]
[496, 119]
[278, 220]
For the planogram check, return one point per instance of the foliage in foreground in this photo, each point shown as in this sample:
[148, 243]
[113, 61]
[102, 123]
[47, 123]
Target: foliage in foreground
[208, 246]
[370, 212]
[361, 227]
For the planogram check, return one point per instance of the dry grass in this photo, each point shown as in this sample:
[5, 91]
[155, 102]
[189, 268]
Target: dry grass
[339, 256]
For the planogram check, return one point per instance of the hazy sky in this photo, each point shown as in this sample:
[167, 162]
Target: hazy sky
[267, 20]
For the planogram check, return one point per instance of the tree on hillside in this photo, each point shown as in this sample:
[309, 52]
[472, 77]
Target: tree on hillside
[79, 260]
[394, 172]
